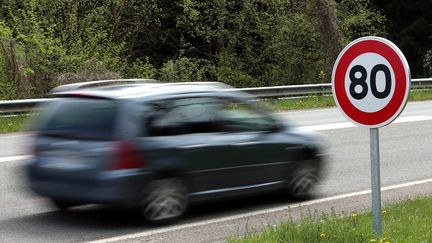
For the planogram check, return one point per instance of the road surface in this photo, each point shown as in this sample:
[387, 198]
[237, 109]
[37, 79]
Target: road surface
[406, 157]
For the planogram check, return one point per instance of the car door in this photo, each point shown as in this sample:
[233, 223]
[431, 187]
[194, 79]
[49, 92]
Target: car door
[260, 152]
[182, 134]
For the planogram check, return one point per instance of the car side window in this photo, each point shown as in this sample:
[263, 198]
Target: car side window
[182, 116]
[236, 116]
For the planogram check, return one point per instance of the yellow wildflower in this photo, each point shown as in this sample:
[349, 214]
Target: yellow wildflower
[372, 240]
[322, 235]
[384, 211]
[354, 215]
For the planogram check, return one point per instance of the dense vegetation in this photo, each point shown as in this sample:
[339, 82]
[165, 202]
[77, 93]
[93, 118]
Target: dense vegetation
[45, 43]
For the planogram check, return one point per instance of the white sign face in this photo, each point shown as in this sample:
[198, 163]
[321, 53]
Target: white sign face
[371, 81]
[362, 67]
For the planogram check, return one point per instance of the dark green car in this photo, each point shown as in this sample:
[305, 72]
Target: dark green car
[162, 146]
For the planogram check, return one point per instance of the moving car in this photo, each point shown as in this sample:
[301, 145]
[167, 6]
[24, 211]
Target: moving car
[162, 146]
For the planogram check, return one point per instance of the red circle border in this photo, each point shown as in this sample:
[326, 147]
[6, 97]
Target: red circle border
[385, 115]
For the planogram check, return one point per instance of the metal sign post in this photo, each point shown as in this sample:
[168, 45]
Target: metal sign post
[376, 181]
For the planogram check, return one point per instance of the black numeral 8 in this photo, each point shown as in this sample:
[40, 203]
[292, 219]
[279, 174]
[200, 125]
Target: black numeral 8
[358, 81]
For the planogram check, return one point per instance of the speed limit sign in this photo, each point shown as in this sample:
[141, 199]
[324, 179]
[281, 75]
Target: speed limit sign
[371, 81]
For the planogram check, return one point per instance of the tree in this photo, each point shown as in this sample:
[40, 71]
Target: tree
[242, 43]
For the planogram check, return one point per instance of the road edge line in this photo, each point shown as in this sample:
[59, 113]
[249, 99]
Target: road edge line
[14, 158]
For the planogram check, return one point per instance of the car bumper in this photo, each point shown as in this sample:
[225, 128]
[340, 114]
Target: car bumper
[125, 190]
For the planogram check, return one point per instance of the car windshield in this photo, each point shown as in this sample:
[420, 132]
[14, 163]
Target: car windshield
[85, 118]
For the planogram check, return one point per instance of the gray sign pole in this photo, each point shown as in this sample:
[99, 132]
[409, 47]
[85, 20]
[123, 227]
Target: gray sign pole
[376, 183]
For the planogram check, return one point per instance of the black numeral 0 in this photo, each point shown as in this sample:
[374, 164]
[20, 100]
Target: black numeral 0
[386, 71]
[362, 81]
[358, 81]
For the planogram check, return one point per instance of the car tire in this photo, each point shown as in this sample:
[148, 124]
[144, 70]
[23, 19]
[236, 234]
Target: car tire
[301, 185]
[165, 200]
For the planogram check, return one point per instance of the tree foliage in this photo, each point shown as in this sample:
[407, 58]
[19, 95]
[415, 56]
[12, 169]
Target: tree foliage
[243, 43]
[358, 19]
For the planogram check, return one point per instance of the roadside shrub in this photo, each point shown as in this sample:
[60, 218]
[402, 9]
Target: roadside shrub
[427, 66]
[91, 70]
[187, 69]
[141, 69]
[231, 71]
[11, 64]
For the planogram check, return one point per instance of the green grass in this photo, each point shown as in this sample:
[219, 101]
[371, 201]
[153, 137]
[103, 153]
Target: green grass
[13, 123]
[300, 103]
[408, 221]
[420, 95]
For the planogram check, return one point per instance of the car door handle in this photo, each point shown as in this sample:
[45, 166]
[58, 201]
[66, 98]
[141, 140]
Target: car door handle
[194, 146]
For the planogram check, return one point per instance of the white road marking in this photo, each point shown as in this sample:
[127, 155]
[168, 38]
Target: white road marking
[15, 158]
[14, 135]
[330, 126]
[256, 213]
[340, 125]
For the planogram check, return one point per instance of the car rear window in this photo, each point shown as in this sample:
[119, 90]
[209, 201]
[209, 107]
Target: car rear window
[85, 118]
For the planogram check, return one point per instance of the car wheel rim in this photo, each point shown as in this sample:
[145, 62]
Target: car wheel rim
[165, 202]
[303, 183]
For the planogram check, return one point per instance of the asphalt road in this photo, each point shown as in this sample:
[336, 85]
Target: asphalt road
[405, 157]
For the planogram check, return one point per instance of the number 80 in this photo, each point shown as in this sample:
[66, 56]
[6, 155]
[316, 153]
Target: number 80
[362, 82]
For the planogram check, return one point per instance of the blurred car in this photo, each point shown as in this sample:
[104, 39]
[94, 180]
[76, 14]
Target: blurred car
[161, 146]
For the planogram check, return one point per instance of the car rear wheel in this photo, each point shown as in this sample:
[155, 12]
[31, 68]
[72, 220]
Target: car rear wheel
[166, 200]
[302, 184]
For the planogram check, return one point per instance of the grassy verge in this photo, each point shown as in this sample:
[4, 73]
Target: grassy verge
[420, 95]
[300, 103]
[13, 123]
[408, 221]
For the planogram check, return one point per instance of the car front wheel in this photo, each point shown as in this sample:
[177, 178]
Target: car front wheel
[302, 183]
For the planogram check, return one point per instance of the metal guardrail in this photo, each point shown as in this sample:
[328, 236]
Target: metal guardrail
[16, 106]
[315, 89]
[289, 91]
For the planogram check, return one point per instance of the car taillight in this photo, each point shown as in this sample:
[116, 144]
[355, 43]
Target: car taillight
[127, 156]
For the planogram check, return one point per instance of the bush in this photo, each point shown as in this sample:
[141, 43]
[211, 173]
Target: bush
[11, 64]
[187, 69]
[91, 70]
[141, 69]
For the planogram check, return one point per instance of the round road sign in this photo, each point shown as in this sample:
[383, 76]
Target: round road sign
[371, 81]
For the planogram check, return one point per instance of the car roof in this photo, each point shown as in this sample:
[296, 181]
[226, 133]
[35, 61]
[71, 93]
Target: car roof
[142, 89]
